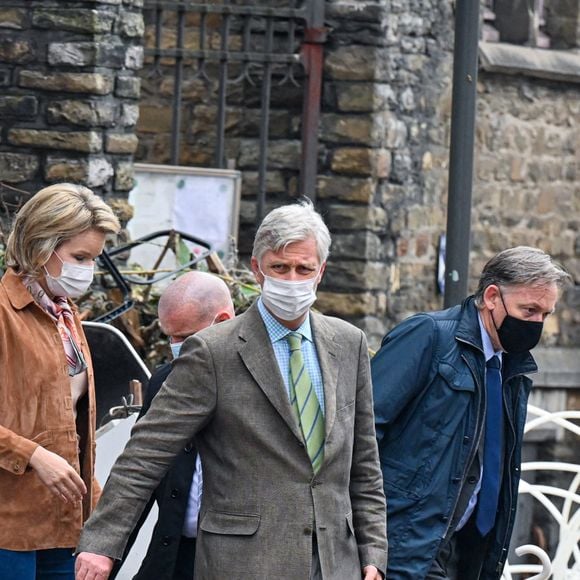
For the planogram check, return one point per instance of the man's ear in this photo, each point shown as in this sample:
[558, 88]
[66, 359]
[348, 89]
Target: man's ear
[222, 316]
[491, 296]
[321, 273]
[256, 270]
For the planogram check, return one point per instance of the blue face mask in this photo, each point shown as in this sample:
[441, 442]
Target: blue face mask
[175, 348]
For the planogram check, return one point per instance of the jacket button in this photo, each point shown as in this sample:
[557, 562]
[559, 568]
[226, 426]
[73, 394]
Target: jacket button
[444, 519]
[466, 440]
[166, 540]
[188, 447]
[300, 444]
[307, 531]
[174, 493]
[472, 479]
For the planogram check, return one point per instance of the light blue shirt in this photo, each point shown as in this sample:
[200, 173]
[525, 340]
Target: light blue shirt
[193, 502]
[277, 333]
[488, 352]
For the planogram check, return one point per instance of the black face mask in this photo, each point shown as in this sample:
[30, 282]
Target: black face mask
[517, 335]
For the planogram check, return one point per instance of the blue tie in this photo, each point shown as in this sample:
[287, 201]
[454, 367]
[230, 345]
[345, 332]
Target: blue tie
[490, 482]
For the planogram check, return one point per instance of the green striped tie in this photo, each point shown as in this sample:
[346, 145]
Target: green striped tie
[305, 403]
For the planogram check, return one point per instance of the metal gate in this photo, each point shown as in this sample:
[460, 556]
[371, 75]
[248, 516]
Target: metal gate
[234, 47]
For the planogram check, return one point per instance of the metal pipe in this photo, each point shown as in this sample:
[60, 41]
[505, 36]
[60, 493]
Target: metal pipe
[177, 89]
[158, 33]
[222, 94]
[461, 151]
[265, 125]
[312, 59]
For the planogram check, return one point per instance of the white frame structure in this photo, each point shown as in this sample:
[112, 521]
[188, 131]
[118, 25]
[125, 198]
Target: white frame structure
[567, 517]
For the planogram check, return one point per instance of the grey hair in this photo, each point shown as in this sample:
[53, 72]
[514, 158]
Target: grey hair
[521, 265]
[292, 223]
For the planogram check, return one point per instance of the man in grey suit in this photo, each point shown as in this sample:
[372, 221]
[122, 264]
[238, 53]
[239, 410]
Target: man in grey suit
[280, 402]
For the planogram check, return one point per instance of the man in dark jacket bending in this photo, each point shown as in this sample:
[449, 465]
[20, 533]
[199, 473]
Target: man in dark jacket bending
[450, 396]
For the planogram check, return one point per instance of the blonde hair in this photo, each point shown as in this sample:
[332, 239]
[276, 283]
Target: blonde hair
[54, 215]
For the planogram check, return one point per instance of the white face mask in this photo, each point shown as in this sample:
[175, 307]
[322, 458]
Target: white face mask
[73, 281]
[288, 299]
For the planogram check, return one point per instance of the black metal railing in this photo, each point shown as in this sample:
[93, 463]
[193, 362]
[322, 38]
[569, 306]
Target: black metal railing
[232, 45]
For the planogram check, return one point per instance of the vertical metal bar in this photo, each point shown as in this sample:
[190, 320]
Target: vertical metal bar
[291, 36]
[535, 12]
[247, 33]
[290, 48]
[312, 58]
[461, 153]
[314, 13]
[265, 122]
[177, 89]
[202, 60]
[222, 93]
[202, 31]
[158, 32]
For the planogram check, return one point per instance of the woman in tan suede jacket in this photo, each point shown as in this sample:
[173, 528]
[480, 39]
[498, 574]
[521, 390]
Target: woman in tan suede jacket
[47, 398]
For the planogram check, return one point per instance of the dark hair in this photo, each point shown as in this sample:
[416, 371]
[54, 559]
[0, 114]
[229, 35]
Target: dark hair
[519, 266]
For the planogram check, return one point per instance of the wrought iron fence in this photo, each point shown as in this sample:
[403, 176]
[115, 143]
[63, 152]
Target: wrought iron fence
[240, 53]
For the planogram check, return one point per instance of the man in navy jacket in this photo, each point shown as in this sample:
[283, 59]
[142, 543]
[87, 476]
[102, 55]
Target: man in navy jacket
[431, 385]
[189, 304]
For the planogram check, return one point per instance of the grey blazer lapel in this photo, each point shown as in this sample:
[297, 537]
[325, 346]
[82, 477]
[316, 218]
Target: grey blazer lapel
[258, 356]
[328, 357]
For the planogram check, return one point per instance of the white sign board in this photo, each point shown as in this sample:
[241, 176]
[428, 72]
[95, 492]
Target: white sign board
[204, 203]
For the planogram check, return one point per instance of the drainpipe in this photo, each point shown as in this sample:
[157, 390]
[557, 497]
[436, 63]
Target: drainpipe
[458, 240]
[312, 55]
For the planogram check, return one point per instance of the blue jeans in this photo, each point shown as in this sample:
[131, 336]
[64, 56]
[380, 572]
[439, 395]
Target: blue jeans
[53, 564]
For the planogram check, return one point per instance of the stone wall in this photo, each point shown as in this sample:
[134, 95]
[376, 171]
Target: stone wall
[383, 158]
[69, 98]
[199, 118]
[388, 70]
[386, 78]
[384, 176]
[526, 187]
